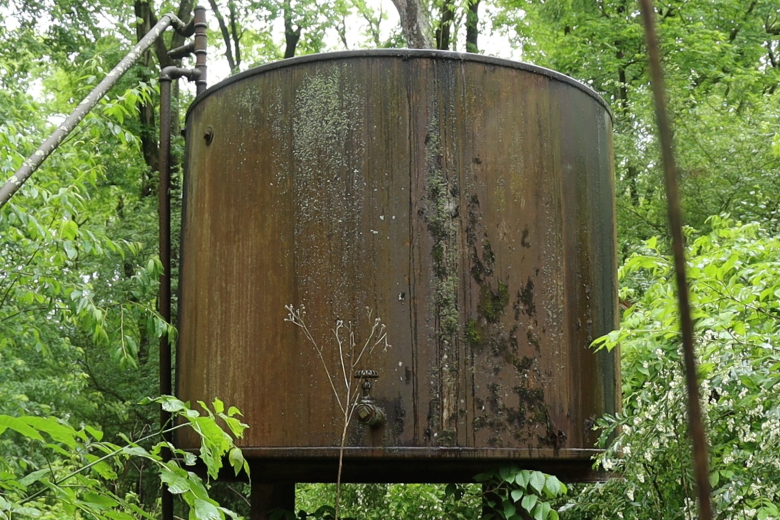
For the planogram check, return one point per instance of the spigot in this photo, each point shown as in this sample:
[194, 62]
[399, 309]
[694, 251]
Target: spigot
[366, 409]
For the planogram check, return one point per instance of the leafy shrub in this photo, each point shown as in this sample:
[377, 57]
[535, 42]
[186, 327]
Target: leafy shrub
[735, 286]
[507, 493]
[79, 474]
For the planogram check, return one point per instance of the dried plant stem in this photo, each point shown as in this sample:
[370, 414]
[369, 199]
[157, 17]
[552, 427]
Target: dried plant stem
[337, 501]
[695, 421]
[349, 362]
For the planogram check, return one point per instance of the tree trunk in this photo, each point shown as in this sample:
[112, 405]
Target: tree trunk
[291, 36]
[445, 25]
[148, 133]
[472, 26]
[414, 22]
[146, 111]
[234, 30]
[225, 34]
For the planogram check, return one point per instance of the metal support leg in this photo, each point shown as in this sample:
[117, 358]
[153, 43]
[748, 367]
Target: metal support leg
[267, 497]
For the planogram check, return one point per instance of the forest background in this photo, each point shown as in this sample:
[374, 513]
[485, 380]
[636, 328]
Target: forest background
[79, 267]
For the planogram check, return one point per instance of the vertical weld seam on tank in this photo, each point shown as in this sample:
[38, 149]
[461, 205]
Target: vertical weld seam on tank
[413, 249]
[449, 176]
[599, 267]
[464, 355]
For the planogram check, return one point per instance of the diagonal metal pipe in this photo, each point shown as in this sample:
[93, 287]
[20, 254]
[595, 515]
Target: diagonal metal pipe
[32, 163]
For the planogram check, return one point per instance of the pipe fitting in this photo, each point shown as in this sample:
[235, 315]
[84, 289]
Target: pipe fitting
[366, 409]
[172, 73]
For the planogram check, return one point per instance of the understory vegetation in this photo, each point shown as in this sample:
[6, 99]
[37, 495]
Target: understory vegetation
[79, 330]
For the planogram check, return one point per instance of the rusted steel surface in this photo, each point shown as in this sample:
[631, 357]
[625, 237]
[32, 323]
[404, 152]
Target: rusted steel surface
[467, 201]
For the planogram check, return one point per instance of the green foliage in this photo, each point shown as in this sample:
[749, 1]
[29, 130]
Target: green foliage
[78, 267]
[510, 493]
[75, 472]
[504, 494]
[735, 294]
[721, 72]
[386, 501]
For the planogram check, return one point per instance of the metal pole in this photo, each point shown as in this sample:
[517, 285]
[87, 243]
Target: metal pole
[32, 163]
[201, 44]
[164, 295]
[696, 424]
[167, 75]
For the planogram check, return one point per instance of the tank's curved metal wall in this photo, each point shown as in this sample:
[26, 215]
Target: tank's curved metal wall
[467, 201]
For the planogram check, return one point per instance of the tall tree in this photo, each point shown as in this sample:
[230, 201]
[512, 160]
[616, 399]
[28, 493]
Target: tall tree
[415, 24]
[721, 78]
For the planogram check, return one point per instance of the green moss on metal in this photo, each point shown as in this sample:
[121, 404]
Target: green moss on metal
[473, 333]
[440, 217]
[524, 364]
[492, 305]
[447, 438]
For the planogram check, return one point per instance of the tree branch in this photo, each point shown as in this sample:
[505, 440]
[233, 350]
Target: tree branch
[225, 34]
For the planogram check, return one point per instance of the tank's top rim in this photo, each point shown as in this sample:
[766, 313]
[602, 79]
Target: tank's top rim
[404, 54]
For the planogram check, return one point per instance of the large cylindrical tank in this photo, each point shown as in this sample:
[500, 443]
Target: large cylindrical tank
[466, 201]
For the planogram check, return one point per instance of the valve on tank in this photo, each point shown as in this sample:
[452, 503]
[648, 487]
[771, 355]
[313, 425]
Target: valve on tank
[367, 411]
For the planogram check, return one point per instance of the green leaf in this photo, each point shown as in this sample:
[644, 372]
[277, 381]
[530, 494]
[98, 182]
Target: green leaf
[6, 421]
[53, 428]
[236, 460]
[33, 477]
[482, 477]
[516, 494]
[104, 470]
[27, 512]
[176, 480]
[99, 501]
[70, 249]
[219, 406]
[714, 479]
[529, 501]
[509, 509]
[507, 473]
[537, 481]
[197, 487]
[171, 404]
[96, 434]
[206, 511]
[739, 327]
[541, 511]
[135, 451]
[69, 230]
[523, 478]
[553, 486]
[236, 427]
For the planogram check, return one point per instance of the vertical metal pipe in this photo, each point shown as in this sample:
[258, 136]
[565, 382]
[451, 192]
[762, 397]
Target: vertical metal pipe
[164, 298]
[165, 234]
[696, 425]
[167, 75]
[201, 45]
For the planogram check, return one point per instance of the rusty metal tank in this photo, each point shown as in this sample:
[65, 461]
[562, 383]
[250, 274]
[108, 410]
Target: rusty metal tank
[466, 201]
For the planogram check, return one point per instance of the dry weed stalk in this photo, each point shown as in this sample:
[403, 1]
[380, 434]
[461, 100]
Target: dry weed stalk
[351, 353]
